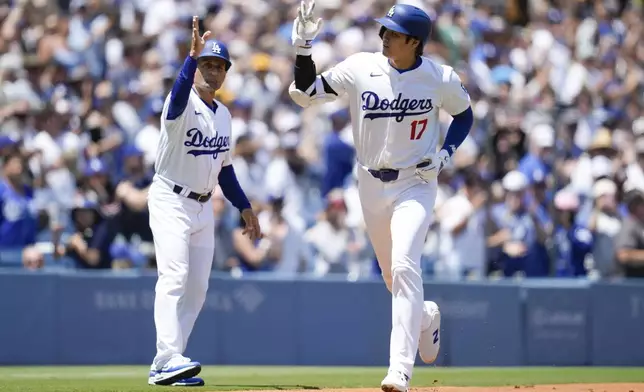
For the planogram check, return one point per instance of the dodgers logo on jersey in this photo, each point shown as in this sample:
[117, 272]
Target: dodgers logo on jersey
[206, 145]
[399, 107]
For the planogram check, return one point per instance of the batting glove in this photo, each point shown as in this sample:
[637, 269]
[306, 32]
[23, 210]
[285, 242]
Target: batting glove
[430, 173]
[304, 28]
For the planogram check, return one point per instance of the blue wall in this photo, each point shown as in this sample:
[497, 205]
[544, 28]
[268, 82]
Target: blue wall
[77, 318]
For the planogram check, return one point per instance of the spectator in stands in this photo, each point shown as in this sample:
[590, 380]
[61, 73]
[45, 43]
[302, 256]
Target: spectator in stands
[97, 185]
[132, 217]
[537, 163]
[462, 239]
[572, 243]
[224, 258]
[249, 170]
[264, 254]
[635, 170]
[629, 243]
[338, 155]
[89, 245]
[147, 139]
[517, 230]
[18, 223]
[605, 223]
[288, 176]
[336, 247]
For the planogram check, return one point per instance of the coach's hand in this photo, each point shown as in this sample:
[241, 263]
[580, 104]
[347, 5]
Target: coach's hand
[305, 29]
[430, 173]
[198, 42]
[252, 224]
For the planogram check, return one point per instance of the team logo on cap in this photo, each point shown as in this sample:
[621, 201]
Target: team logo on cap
[391, 11]
[216, 49]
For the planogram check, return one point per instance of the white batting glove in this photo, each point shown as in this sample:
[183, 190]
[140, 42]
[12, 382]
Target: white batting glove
[430, 173]
[304, 28]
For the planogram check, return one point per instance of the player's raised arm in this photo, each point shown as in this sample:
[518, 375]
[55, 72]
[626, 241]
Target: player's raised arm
[309, 88]
[182, 85]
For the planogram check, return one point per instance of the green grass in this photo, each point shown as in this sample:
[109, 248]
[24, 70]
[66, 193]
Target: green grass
[223, 378]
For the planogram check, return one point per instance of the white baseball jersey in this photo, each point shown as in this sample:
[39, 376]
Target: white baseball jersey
[394, 115]
[195, 146]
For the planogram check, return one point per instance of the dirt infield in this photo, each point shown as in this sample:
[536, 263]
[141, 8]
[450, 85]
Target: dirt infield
[517, 388]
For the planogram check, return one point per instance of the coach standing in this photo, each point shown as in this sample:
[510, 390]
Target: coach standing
[192, 159]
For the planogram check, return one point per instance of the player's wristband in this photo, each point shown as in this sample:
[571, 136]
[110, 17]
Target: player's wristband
[303, 50]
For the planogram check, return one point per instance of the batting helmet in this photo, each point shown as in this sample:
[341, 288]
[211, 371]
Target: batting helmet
[407, 19]
[214, 48]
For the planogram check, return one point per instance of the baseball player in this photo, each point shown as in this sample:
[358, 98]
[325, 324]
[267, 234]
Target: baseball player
[394, 97]
[192, 159]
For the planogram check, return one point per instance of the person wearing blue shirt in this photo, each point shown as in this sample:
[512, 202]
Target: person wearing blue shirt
[89, 245]
[517, 230]
[536, 164]
[572, 242]
[18, 221]
[132, 193]
[338, 154]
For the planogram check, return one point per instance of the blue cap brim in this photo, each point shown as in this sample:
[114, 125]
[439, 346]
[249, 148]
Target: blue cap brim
[391, 25]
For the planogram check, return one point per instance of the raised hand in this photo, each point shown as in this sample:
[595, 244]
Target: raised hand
[305, 29]
[198, 42]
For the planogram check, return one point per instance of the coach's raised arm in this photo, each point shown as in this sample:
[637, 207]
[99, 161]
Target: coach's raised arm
[183, 84]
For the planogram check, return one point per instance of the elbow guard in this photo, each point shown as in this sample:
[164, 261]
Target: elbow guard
[319, 92]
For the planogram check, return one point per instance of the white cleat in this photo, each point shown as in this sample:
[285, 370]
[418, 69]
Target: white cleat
[430, 343]
[174, 371]
[395, 381]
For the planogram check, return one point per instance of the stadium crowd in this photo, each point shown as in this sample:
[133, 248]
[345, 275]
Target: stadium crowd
[548, 183]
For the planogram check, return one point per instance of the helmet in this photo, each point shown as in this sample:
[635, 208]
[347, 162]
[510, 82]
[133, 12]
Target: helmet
[407, 19]
[214, 48]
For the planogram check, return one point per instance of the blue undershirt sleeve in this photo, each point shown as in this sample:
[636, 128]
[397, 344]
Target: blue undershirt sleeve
[231, 188]
[181, 88]
[458, 130]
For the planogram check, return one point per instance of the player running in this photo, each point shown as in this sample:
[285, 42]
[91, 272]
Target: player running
[394, 97]
[193, 158]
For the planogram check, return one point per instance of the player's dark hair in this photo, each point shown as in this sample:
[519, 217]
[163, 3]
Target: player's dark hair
[419, 48]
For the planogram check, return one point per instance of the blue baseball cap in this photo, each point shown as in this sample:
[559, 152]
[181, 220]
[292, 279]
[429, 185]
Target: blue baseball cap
[214, 48]
[6, 141]
[407, 19]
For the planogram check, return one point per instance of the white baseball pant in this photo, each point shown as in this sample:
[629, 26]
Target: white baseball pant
[397, 216]
[184, 242]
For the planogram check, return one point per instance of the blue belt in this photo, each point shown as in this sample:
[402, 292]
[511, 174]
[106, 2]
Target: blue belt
[389, 175]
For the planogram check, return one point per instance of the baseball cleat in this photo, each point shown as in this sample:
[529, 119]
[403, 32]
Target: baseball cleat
[169, 375]
[190, 382]
[395, 381]
[429, 344]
